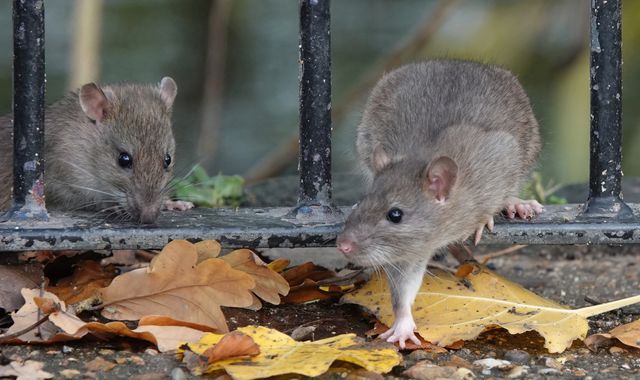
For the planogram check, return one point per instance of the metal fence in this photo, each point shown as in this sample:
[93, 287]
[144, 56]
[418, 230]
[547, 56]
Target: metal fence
[315, 220]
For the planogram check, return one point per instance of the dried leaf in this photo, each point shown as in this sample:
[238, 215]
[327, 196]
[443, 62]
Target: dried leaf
[232, 345]
[85, 282]
[306, 271]
[27, 370]
[46, 305]
[207, 249]
[14, 278]
[29, 314]
[448, 309]
[125, 257]
[278, 265]
[309, 291]
[628, 334]
[279, 354]
[175, 286]
[269, 284]
[464, 270]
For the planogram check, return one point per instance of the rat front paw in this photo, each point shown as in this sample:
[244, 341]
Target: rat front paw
[525, 209]
[401, 331]
[177, 205]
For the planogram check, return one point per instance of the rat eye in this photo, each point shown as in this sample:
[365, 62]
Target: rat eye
[394, 215]
[167, 160]
[125, 161]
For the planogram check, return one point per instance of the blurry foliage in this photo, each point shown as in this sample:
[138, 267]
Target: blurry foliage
[205, 191]
[542, 192]
[545, 43]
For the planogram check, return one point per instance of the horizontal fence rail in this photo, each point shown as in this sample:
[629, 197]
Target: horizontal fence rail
[314, 221]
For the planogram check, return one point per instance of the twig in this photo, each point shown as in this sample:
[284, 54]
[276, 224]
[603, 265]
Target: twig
[461, 253]
[485, 258]
[8, 338]
[283, 155]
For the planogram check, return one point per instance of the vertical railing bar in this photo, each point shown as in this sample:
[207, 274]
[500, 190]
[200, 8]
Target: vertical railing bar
[28, 110]
[605, 175]
[314, 199]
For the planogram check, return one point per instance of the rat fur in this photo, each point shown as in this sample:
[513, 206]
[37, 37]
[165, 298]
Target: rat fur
[85, 134]
[449, 144]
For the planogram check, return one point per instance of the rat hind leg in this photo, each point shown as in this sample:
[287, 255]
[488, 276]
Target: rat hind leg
[525, 209]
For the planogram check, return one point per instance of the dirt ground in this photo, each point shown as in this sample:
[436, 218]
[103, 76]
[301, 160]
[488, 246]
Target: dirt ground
[565, 274]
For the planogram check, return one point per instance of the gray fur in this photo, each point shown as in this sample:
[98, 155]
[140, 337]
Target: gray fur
[82, 156]
[476, 114]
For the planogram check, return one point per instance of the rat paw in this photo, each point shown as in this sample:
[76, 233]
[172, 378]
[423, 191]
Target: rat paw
[525, 209]
[401, 331]
[177, 205]
[480, 229]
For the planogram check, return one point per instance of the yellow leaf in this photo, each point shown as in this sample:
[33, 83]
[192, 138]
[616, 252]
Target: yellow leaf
[280, 354]
[448, 308]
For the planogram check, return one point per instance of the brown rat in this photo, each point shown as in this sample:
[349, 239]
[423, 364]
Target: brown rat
[446, 144]
[109, 149]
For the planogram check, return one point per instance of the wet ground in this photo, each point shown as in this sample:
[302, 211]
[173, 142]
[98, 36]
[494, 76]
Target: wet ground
[565, 274]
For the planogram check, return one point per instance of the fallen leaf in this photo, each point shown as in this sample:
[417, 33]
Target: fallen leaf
[100, 365]
[30, 313]
[207, 249]
[308, 291]
[448, 308]
[46, 305]
[464, 270]
[27, 370]
[307, 271]
[628, 334]
[14, 278]
[279, 354]
[173, 285]
[165, 337]
[233, 345]
[279, 265]
[85, 282]
[269, 285]
[125, 257]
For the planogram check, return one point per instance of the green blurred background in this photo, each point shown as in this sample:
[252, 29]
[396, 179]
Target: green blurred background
[235, 62]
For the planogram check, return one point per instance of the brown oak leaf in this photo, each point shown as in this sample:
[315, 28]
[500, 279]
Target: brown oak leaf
[174, 286]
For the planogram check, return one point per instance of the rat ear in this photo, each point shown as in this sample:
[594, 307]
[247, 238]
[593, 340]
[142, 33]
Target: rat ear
[379, 158]
[439, 178]
[94, 102]
[168, 91]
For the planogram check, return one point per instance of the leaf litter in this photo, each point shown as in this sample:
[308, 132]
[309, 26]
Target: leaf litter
[469, 291]
[449, 308]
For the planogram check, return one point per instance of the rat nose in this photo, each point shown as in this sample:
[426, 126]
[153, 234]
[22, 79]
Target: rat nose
[347, 246]
[148, 215]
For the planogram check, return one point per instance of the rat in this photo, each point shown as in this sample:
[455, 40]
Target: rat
[109, 149]
[445, 145]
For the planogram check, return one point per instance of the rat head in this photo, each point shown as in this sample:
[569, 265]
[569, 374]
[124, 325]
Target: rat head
[131, 147]
[399, 218]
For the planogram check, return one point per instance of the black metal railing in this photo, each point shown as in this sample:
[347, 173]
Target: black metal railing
[314, 221]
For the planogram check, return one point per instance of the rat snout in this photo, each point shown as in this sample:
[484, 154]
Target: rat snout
[148, 215]
[347, 245]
